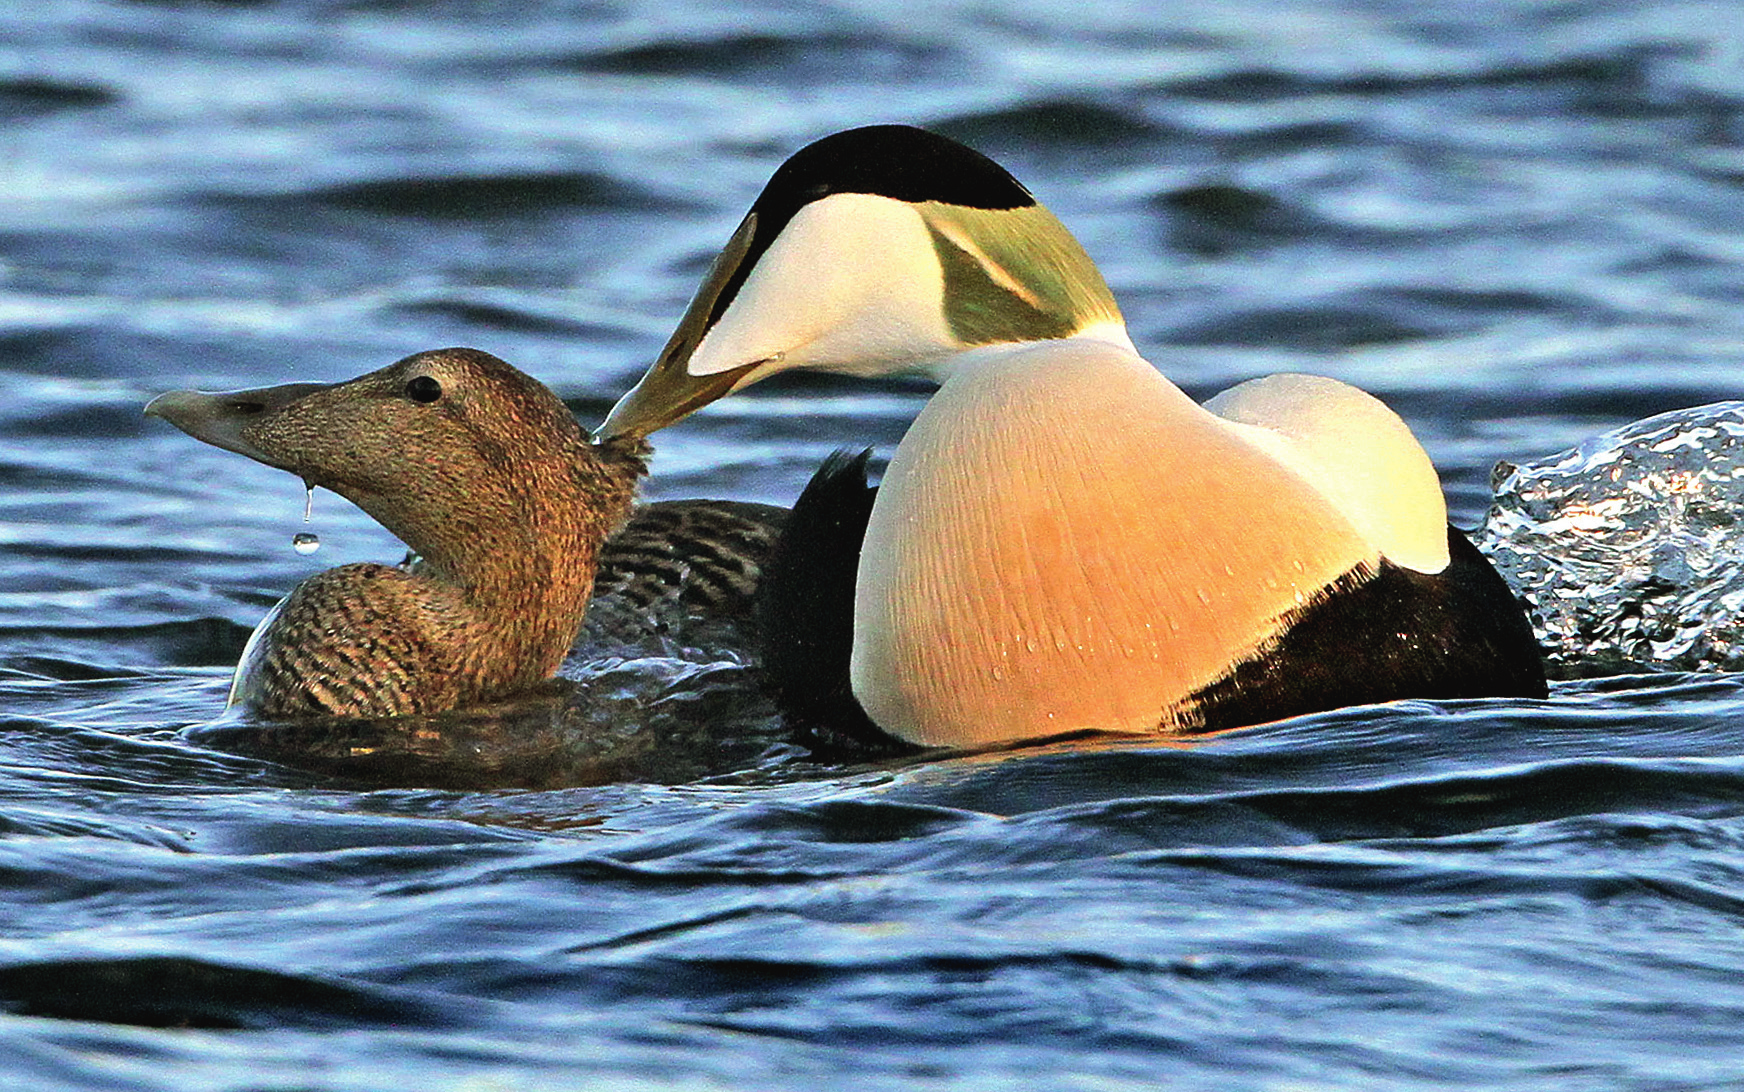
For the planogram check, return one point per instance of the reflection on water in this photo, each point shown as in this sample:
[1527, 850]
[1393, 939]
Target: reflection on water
[646, 719]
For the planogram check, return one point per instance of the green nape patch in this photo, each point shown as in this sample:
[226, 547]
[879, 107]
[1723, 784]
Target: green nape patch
[1014, 275]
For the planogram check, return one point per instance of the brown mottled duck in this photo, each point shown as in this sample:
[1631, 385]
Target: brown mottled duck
[510, 511]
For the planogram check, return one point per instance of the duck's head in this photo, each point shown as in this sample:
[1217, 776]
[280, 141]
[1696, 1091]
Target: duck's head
[441, 445]
[873, 251]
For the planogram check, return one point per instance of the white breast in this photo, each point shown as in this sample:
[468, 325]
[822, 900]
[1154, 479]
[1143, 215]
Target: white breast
[1065, 541]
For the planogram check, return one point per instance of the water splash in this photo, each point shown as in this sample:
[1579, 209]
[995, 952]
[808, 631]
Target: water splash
[1627, 548]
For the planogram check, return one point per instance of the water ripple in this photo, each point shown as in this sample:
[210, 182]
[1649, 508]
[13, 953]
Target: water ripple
[1518, 222]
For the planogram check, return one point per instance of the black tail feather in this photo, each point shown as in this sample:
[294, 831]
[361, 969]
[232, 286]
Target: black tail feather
[805, 609]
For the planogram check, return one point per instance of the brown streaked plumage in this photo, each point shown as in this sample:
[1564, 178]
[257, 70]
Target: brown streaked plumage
[485, 474]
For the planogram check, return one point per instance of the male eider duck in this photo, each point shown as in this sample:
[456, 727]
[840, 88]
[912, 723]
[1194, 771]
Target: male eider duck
[490, 480]
[1064, 542]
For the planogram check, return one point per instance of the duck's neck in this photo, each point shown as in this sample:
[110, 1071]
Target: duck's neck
[514, 564]
[1109, 332]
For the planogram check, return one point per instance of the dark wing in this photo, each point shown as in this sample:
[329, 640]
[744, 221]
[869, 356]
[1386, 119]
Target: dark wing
[682, 571]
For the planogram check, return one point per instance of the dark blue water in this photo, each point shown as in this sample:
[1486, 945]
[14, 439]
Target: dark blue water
[1518, 222]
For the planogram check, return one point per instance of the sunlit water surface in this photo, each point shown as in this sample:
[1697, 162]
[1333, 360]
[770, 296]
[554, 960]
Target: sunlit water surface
[1520, 223]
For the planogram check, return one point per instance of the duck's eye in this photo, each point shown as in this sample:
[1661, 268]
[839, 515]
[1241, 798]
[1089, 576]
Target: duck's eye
[423, 388]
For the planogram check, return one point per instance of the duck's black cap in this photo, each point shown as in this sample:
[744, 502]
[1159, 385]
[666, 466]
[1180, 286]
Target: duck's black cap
[896, 161]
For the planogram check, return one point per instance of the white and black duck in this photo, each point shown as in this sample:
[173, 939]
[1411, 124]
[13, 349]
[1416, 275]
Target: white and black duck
[1064, 541]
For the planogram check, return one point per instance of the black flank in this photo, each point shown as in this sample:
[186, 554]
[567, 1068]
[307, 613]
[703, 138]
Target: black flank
[1458, 633]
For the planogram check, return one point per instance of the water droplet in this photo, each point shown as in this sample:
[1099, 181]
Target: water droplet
[306, 542]
[308, 501]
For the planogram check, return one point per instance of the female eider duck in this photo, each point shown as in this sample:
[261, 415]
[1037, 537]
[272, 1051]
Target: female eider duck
[507, 505]
[1063, 542]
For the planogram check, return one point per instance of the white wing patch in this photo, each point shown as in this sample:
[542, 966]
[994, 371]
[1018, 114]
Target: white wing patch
[1356, 451]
